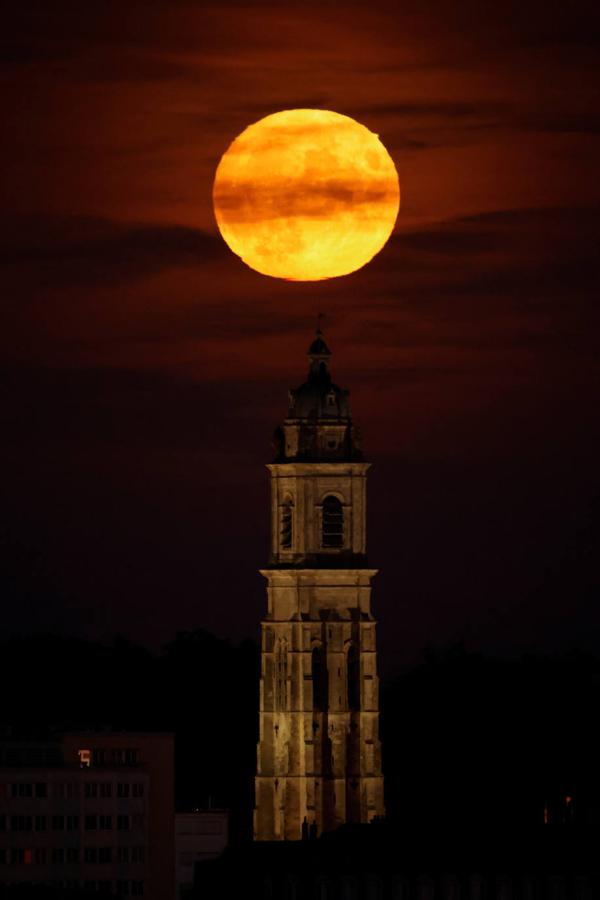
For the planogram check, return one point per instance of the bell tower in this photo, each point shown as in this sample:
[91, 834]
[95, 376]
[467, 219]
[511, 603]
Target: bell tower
[319, 756]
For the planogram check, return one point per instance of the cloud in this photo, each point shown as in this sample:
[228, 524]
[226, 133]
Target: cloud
[438, 109]
[573, 229]
[248, 203]
[514, 288]
[55, 252]
[104, 406]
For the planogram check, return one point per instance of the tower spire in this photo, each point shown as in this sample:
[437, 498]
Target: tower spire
[319, 758]
[319, 355]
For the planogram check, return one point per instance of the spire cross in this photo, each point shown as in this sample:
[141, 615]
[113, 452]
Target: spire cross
[319, 317]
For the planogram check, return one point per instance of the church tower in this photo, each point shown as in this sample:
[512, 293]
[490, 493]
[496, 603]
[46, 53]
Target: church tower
[319, 756]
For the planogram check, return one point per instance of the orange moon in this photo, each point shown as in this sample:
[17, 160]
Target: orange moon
[306, 194]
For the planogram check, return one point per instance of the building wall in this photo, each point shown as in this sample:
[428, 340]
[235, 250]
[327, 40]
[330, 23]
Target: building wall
[318, 759]
[319, 764]
[199, 836]
[98, 815]
[307, 484]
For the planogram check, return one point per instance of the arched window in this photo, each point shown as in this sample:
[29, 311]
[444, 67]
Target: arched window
[281, 675]
[353, 676]
[319, 679]
[287, 524]
[333, 522]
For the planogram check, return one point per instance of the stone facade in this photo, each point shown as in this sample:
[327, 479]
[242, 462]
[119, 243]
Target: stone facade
[319, 756]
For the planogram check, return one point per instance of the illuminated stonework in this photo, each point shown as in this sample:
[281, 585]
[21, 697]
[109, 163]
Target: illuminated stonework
[319, 756]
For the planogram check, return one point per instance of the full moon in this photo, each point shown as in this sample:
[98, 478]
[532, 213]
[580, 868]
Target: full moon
[306, 194]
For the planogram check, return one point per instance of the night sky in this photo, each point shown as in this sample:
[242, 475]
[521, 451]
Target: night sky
[144, 367]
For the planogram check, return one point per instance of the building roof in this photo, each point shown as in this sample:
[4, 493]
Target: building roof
[319, 397]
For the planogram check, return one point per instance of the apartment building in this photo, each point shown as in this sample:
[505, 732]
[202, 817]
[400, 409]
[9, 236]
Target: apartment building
[89, 810]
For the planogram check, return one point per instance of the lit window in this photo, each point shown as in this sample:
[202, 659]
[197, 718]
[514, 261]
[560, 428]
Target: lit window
[28, 857]
[85, 758]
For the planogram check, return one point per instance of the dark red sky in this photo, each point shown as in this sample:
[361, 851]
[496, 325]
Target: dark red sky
[144, 367]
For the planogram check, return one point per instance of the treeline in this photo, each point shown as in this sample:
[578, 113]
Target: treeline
[200, 687]
[471, 742]
[468, 742]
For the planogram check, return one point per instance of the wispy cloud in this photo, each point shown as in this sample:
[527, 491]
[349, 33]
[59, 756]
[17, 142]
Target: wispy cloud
[58, 252]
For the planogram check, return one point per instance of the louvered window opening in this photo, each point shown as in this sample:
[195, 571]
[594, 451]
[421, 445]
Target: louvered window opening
[286, 526]
[333, 523]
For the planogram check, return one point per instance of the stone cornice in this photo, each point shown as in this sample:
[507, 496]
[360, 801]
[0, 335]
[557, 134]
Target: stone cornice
[320, 576]
[310, 469]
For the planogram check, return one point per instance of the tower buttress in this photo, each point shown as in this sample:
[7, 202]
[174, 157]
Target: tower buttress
[319, 755]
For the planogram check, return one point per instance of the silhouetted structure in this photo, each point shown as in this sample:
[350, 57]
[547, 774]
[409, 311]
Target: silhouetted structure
[199, 835]
[379, 862]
